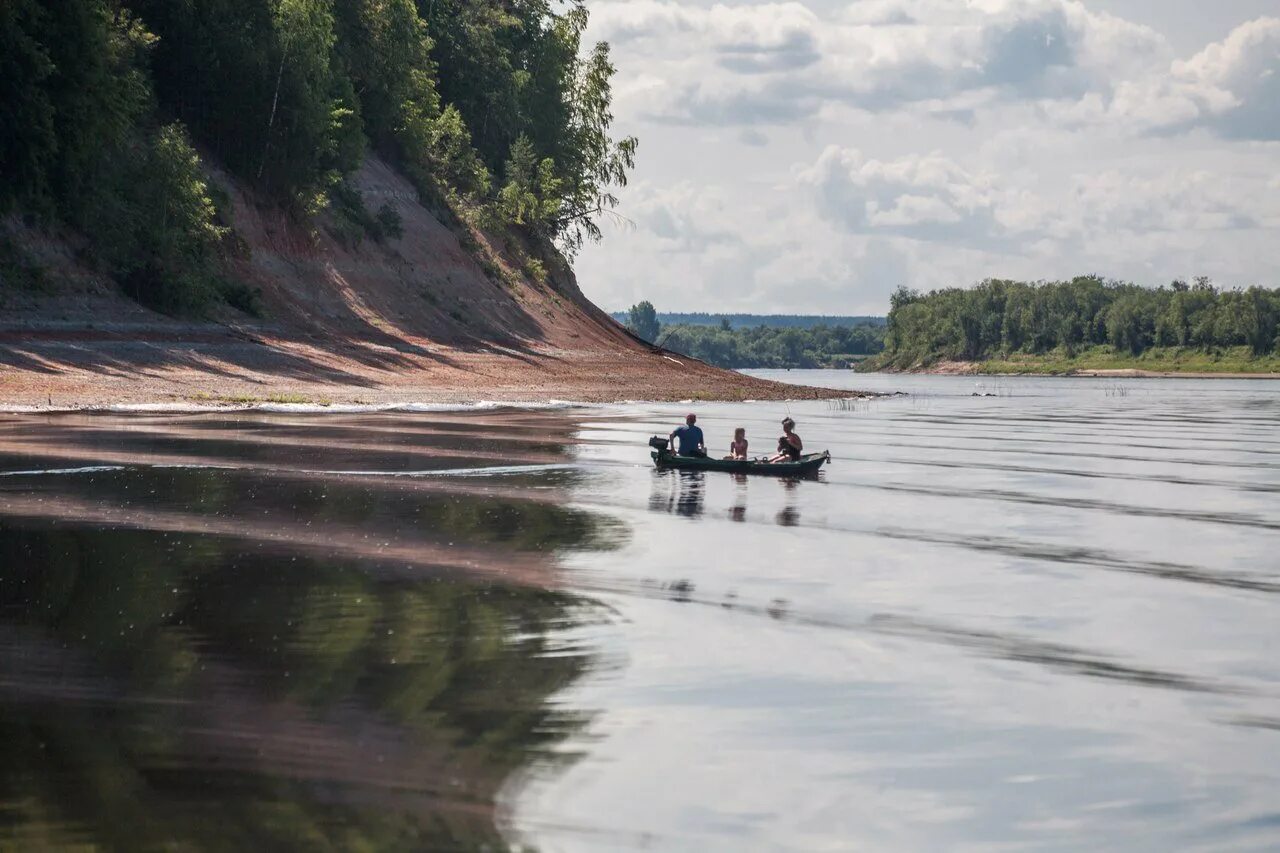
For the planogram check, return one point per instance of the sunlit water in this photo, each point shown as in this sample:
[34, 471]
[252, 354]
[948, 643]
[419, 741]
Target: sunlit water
[1044, 617]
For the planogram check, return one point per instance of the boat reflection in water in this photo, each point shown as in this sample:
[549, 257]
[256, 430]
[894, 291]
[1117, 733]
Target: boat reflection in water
[683, 493]
[678, 492]
[262, 656]
[789, 515]
[738, 511]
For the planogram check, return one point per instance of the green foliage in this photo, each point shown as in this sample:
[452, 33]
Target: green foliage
[242, 297]
[801, 321]
[73, 87]
[537, 109]
[998, 319]
[28, 139]
[16, 269]
[480, 69]
[503, 117]
[389, 222]
[260, 84]
[532, 192]
[643, 321]
[318, 650]
[773, 347]
[597, 162]
[153, 223]
[385, 48]
[536, 270]
[354, 222]
[93, 157]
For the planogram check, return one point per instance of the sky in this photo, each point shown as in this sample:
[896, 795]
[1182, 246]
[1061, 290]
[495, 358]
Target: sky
[813, 156]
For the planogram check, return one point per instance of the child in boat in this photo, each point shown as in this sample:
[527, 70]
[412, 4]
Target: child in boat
[738, 447]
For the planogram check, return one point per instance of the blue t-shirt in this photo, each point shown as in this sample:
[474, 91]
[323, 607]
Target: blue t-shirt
[690, 437]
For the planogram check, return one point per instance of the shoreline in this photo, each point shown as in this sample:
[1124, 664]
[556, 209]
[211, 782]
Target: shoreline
[224, 368]
[972, 368]
[438, 315]
[1118, 373]
[46, 398]
[1133, 373]
[460, 406]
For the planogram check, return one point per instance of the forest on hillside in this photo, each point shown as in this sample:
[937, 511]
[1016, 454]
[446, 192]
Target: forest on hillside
[109, 110]
[998, 319]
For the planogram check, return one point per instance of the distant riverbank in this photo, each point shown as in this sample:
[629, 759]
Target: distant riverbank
[1085, 326]
[1232, 362]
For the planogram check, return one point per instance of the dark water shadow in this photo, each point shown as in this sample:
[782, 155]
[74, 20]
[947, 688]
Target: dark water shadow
[207, 658]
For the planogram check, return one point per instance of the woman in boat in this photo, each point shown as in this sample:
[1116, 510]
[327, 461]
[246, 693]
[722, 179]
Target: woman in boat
[738, 447]
[789, 444]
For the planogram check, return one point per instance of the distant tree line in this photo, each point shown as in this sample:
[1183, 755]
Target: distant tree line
[494, 108]
[771, 347]
[999, 317]
[781, 321]
[784, 345]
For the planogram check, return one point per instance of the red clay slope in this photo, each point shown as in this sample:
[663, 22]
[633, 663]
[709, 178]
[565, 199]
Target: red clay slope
[413, 320]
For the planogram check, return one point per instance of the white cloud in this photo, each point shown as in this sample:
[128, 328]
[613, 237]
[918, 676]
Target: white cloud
[928, 197]
[1232, 88]
[682, 216]
[933, 198]
[1247, 65]
[803, 157]
[875, 56]
[771, 36]
[1175, 203]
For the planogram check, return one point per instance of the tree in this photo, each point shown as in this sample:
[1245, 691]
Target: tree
[1001, 318]
[599, 163]
[261, 85]
[28, 138]
[153, 223]
[493, 108]
[643, 321]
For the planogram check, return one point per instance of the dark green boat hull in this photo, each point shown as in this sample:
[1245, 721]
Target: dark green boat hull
[807, 465]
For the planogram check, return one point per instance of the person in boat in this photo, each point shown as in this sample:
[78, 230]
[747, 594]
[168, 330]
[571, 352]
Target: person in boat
[789, 444]
[738, 447]
[689, 437]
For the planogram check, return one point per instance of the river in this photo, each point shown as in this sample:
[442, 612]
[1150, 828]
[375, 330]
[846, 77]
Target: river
[1012, 613]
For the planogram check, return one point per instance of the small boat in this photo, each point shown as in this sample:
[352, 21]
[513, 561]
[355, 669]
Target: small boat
[807, 465]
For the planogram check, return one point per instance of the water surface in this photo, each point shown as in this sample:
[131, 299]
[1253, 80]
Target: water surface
[1043, 617]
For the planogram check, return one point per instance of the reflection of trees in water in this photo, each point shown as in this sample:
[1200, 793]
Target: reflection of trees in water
[386, 507]
[184, 690]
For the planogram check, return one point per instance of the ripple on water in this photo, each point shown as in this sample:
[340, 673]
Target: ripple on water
[1043, 619]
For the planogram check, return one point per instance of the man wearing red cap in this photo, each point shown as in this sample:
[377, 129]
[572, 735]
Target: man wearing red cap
[690, 437]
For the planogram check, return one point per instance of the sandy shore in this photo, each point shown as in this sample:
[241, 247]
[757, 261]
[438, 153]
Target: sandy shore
[77, 367]
[414, 319]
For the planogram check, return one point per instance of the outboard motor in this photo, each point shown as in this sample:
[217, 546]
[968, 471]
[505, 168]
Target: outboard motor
[659, 443]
